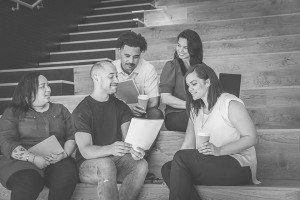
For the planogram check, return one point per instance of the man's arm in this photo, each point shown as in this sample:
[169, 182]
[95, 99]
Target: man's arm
[124, 129]
[89, 151]
[153, 102]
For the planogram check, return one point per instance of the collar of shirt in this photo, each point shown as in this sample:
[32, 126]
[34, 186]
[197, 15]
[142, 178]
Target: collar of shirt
[124, 76]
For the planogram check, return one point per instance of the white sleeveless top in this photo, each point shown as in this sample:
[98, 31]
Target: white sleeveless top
[221, 131]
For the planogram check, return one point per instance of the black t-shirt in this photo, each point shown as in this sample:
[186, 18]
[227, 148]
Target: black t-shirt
[102, 120]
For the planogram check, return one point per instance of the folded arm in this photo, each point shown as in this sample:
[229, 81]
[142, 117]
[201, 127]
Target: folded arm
[169, 99]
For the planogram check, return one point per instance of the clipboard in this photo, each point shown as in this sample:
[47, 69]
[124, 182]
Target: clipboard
[127, 91]
[142, 132]
[46, 147]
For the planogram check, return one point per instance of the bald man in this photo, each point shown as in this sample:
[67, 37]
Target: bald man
[101, 122]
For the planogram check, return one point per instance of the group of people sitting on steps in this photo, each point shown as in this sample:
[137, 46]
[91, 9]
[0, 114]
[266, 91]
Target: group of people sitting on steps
[218, 146]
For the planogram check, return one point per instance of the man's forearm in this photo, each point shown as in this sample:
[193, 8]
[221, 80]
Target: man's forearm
[93, 151]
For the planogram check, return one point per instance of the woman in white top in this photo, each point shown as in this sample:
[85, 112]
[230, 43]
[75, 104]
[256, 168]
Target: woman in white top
[218, 147]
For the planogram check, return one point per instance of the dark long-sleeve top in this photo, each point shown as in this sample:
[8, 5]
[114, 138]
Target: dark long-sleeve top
[28, 130]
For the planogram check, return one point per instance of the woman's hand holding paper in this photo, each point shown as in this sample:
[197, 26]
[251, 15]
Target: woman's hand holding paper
[54, 158]
[40, 162]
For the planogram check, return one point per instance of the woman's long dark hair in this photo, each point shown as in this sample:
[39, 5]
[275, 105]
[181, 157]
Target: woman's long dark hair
[214, 91]
[195, 48]
[25, 93]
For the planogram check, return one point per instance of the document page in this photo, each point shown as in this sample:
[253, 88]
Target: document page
[127, 91]
[142, 132]
[46, 147]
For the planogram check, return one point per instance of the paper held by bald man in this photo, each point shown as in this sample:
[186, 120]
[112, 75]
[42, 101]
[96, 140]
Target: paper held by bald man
[46, 147]
[142, 132]
[127, 91]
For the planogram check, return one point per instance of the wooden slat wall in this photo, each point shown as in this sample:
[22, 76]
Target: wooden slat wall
[162, 49]
[277, 25]
[220, 10]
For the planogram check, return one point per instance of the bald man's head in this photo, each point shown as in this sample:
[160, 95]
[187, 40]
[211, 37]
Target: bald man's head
[104, 74]
[99, 66]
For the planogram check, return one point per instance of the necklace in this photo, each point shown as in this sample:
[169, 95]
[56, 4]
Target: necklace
[204, 121]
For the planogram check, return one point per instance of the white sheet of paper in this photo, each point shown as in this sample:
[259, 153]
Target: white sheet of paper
[46, 147]
[142, 132]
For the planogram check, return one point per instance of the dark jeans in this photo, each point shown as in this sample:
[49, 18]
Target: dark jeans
[189, 168]
[177, 121]
[61, 179]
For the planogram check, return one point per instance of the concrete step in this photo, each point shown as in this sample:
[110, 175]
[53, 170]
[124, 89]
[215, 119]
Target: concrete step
[123, 8]
[82, 55]
[96, 35]
[88, 44]
[58, 88]
[120, 3]
[114, 17]
[14, 76]
[132, 23]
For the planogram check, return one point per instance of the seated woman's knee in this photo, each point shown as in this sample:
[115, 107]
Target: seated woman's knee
[181, 155]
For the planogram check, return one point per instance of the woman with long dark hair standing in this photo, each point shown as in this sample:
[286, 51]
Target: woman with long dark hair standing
[30, 120]
[189, 51]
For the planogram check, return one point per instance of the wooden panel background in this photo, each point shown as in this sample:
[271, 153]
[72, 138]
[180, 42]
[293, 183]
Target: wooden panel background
[230, 29]
[163, 49]
[218, 10]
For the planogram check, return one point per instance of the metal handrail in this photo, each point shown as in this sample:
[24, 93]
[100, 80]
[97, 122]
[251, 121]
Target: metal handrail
[38, 4]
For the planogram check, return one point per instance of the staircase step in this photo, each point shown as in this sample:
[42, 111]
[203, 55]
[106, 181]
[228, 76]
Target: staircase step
[96, 35]
[14, 76]
[114, 17]
[123, 8]
[72, 63]
[58, 88]
[120, 3]
[83, 55]
[88, 44]
[110, 25]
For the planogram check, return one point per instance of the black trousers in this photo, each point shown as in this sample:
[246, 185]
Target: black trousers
[61, 179]
[189, 168]
[177, 121]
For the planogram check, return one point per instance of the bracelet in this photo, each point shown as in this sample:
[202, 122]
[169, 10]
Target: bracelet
[27, 157]
[33, 159]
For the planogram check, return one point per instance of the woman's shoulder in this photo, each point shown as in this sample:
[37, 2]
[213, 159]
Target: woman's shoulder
[58, 108]
[171, 65]
[9, 112]
[224, 100]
